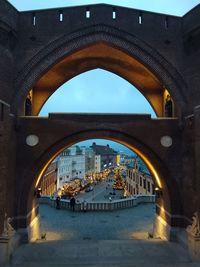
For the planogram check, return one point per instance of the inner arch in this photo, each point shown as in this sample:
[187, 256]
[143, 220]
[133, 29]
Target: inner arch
[154, 172]
[97, 91]
[104, 56]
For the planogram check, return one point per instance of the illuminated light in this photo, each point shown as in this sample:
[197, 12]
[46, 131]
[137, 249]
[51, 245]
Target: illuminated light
[147, 162]
[140, 154]
[46, 166]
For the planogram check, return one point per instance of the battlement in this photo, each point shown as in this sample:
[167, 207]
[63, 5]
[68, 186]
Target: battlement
[96, 14]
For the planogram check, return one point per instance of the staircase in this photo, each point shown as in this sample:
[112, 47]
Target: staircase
[102, 253]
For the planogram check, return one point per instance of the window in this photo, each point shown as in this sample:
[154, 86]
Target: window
[144, 184]
[2, 112]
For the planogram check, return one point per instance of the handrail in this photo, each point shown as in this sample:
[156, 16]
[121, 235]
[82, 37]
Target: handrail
[100, 205]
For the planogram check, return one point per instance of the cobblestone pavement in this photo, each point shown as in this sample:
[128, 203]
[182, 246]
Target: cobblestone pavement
[120, 224]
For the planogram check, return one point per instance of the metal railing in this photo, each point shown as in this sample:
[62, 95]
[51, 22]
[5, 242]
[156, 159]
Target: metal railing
[100, 205]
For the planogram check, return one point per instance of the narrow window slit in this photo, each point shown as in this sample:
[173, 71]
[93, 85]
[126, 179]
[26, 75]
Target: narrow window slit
[60, 16]
[140, 19]
[87, 14]
[114, 14]
[33, 19]
[2, 112]
[166, 23]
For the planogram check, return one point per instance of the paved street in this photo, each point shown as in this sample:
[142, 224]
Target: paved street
[95, 225]
[100, 192]
[96, 239]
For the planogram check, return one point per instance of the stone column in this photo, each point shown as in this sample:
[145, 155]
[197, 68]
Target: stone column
[193, 230]
[197, 156]
[194, 237]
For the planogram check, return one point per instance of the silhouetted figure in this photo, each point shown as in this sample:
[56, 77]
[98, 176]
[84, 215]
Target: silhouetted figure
[28, 106]
[168, 107]
[58, 202]
[72, 203]
[84, 205]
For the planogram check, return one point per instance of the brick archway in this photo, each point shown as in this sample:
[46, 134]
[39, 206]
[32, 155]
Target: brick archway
[151, 66]
[168, 206]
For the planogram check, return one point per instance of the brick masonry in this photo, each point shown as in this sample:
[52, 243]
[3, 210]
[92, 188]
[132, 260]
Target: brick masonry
[32, 42]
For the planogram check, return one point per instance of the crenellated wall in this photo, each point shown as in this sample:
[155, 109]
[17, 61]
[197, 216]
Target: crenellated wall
[38, 28]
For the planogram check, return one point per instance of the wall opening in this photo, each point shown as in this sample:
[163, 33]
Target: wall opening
[97, 91]
[102, 176]
[101, 56]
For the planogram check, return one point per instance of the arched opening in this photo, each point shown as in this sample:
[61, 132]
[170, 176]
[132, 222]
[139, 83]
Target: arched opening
[97, 91]
[101, 176]
[108, 57]
[166, 203]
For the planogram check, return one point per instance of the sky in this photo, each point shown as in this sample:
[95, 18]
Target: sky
[173, 7]
[116, 146]
[97, 91]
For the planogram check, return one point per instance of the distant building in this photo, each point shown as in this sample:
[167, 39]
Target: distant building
[118, 159]
[49, 179]
[108, 156]
[139, 180]
[97, 163]
[80, 162]
[72, 164]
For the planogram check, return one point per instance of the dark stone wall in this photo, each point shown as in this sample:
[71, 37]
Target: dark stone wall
[59, 131]
[47, 28]
[8, 38]
[41, 33]
[191, 54]
[8, 33]
[29, 39]
[7, 162]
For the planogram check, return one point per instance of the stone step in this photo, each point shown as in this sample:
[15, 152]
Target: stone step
[101, 253]
[83, 264]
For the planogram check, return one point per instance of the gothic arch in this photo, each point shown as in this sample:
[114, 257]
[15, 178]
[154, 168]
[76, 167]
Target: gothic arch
[128, 44]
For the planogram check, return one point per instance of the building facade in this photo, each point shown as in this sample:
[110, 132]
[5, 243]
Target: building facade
[107, 157]
[49, 180]
[72, 164]
[139, 180]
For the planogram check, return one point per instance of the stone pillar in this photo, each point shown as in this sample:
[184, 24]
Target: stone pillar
[193, 231]
[4, 108]
[9, 240]
[197, 156]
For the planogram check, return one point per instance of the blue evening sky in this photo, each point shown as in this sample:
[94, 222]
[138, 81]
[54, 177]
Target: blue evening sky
[173, 7]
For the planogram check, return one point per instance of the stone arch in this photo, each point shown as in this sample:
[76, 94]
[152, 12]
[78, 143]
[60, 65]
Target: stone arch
[170, 201]
[130, 45]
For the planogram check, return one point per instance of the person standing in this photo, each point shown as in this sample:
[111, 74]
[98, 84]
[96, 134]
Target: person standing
[72, 203]
[57, 202]
[84, 205]
[168, 107]
[28, 105]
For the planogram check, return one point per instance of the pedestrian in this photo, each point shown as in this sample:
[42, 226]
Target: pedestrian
[168, 107]
[57, 202]
[84, 205]
[72, 203]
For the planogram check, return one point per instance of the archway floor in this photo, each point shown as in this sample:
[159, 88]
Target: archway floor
[116, 225]
[108, 246]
